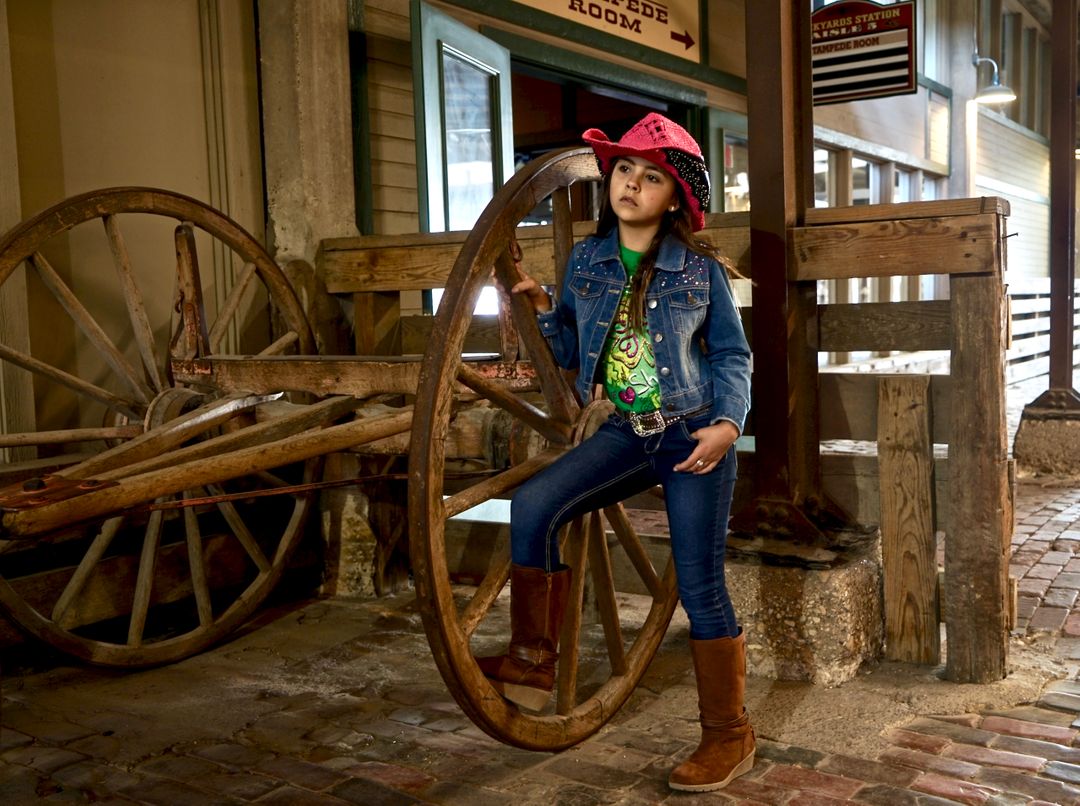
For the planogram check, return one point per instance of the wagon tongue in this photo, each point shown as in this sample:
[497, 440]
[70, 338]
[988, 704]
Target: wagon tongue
[47, 489]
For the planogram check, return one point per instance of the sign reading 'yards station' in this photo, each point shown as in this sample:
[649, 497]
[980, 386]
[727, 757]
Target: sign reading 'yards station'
[672, 26]
[862, 50]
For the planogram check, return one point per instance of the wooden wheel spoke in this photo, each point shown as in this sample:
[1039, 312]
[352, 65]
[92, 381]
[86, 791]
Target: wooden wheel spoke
[497, 486]
[227, 310]
[85, 568]
[78, 385]
[281, 345]
[487, 591]
[191, 339]
[553, 430]
[574, 552]
[62, 437]
[631, 543]
[140, 322]
[562, 231]
[144, 584]
[240, 530]
[559, 395]
[270, 480]
[604, 585]
[91, 329]
[197, 563]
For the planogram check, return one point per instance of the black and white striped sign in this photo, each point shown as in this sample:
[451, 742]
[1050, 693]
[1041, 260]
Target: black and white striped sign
[862, 50]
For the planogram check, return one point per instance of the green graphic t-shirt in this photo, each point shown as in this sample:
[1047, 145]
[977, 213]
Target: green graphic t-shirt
[630, 379]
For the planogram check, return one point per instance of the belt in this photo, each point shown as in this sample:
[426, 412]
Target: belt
[647, 423]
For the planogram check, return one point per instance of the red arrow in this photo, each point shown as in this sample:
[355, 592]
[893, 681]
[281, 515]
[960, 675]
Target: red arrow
[684, 37]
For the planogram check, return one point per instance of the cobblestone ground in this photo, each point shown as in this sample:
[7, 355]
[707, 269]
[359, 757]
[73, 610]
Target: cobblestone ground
[339, 702]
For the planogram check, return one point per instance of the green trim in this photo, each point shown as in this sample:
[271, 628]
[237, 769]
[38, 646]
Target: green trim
[363, 195]
[419, 113]
[935, 86]
[541, 22]
[566, 61]
[434, 33]
[734, 122]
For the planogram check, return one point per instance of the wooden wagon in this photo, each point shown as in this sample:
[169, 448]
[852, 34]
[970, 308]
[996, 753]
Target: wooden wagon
[204, 464]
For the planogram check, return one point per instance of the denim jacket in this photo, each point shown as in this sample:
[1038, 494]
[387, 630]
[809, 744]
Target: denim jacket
[702, 357]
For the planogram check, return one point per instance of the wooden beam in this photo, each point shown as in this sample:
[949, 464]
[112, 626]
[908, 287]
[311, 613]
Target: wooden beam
[355, 376]
[850, 405]
[977, 547]
[394, 263]
[954, 245]
[780, 124]
[908, 538]
[1063, 196]
[907, 326]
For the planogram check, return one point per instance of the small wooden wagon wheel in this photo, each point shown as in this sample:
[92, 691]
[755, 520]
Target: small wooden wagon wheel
[94, 507]
[599, 666]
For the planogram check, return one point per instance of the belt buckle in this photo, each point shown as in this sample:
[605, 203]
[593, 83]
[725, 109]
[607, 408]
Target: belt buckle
[645, 425]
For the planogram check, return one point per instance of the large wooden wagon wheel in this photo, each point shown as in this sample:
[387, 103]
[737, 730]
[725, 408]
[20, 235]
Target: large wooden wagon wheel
[599, 666]
[94, 507]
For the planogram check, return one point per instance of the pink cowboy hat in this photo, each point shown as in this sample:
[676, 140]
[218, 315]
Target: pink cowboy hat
[670, 146]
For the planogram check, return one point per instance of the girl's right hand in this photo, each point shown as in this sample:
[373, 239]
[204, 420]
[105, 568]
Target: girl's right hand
[532, 290]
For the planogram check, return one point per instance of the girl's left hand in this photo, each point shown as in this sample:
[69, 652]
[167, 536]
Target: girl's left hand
[713, 443]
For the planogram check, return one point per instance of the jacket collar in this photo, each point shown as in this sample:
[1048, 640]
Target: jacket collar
[670, 258]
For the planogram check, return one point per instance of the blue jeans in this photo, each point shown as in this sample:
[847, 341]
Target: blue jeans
[614, 464]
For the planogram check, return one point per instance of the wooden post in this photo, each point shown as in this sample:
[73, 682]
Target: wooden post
[780, 124]
[908, 549]
[977, 542]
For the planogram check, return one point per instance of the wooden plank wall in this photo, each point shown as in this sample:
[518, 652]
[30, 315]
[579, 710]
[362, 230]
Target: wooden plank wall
[1028, 355]
[1023, 179]
[393, 120]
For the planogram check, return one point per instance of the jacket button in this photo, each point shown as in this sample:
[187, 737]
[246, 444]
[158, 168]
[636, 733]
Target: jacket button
[659, 337]
[652, 303]
[665, 371]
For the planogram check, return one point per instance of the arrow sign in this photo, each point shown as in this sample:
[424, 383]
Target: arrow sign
[685, 38]
[670, 26]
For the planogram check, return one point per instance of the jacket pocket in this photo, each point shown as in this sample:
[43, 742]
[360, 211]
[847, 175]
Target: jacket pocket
[688, 306]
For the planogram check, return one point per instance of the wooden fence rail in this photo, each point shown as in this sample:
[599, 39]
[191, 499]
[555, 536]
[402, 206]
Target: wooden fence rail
[961, 238]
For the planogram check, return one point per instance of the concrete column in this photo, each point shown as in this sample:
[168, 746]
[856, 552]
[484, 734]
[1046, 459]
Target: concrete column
[307, 125]
[963, 78]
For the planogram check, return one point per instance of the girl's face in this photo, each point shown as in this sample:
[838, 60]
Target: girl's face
[641, 191]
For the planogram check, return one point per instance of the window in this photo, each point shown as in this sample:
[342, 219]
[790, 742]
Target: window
[465, 144]
[865, 181]
[903, 186]
[824, 193]
[736, 174]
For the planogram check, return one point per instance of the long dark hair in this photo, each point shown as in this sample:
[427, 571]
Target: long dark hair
[676, 223]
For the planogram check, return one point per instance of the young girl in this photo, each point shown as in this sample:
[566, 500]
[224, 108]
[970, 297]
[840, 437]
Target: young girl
[646, 310]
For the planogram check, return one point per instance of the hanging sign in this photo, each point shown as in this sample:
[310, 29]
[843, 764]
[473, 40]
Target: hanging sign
[672, 26]
[861, 49]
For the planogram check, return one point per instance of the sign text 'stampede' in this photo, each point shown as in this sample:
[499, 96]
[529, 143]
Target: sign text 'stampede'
[672, 26]
[861, 49]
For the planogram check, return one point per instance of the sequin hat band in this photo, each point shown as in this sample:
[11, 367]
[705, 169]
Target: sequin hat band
[670, 146]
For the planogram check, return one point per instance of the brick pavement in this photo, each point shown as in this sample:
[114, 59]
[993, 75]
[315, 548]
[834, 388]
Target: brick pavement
[336, 702]
[339, 702]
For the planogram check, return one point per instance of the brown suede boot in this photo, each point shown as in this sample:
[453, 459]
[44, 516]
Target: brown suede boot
[526, 673]
[727, 740]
